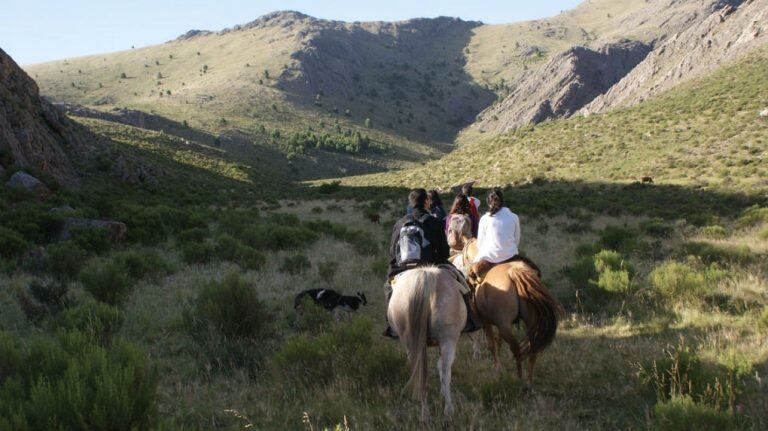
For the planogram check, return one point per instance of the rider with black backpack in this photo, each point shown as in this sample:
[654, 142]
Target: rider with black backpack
[418, 239]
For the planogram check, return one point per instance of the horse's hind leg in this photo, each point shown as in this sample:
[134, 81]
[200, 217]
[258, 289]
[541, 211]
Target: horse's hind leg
[444, 364]
[493, 344]
[509, 337]
[531, 364]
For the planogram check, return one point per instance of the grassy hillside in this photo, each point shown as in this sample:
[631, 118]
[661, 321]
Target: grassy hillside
[703, 133]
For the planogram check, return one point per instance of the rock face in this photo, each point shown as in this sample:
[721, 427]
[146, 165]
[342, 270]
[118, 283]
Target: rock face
[32, 131]
[724, 35]
[564, 85]
[25, 181]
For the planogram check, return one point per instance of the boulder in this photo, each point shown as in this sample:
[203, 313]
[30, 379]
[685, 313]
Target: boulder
[25, 181]
[115, 229]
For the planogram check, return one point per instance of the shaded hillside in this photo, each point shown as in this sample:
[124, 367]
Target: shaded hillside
[33, 133]
[712, 131]
[724, 35]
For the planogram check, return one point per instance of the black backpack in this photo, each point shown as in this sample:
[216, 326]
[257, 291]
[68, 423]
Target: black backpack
[413, 246]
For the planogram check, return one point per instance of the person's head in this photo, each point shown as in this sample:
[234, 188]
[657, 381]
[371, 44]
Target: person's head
[433, 199]
[417, 198]
[461, 205]
[466, 189]
[495, 201]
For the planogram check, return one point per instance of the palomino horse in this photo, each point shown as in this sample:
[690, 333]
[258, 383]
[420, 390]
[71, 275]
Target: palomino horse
[510, 292]
[427, 307]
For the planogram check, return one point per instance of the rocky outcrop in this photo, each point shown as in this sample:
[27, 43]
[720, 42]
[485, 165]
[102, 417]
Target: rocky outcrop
[724, 35]
[563, 85]
[34, 132]
[29, 183]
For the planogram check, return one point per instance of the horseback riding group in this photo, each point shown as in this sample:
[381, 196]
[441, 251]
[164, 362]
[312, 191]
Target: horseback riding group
[460, 272]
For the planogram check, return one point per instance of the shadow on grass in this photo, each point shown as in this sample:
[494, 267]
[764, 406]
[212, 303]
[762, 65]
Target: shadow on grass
[550, 198]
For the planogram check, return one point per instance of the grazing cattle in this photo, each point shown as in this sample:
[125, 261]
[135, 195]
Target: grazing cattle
[330, 299]
[647, 180]
[374, 218]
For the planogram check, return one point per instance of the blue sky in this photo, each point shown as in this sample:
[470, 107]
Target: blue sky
[33, 31]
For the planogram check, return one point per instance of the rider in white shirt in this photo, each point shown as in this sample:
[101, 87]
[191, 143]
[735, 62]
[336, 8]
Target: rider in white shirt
[498, 237]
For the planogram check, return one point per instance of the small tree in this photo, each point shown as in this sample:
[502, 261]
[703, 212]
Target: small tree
[157, 62]
[159, 75]
[266, 74]
[123, 76]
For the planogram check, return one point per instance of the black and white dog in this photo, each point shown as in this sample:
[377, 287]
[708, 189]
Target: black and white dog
[330, 299]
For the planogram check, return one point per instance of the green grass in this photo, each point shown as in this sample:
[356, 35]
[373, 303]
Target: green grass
[705, 133]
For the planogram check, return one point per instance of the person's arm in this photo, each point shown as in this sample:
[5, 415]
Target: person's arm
[393, 245]
[481, 234]
[517, 231]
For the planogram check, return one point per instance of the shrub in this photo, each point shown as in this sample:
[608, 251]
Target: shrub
[347, 349]
[142, 263]
[227, 247]
[657, 228]
[279, 237]
[601, 278]
[93, 240]
[250, 258]
[296, 264]
[98, 321]
[683, 413]
[150, 225]
[73, 384]
[721, 254]
[193, 235]
[714, 232]
[679, 282]
[197, 252]
[107, 281]
[65, 259]
[32, 221]
[752, 217]
[619, 238]
[12, 244]
[327, 270]
[230, 307]
[51, 295]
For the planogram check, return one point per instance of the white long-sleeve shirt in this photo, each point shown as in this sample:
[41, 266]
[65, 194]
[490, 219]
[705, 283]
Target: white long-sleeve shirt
[498, 236]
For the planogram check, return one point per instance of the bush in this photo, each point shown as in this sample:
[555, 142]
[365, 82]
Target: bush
[33, 222]
[193, 235]
[327, 270]
[12, 244]
[619, 238]
[347, 349]
[230, 307]
[107, 281]
[73, 384]
[142, 263]
[752, 217]
[96, 320]
[227, 247]
[197, 252]
[714, 232]
[93, 240]
[51, 295]
[150, 225]
[250, 258]
[657, 228]
[279, 237]
[601, 278]
[683, 282]
[65, 259]
[683, 413]
[721, 254]
[296, 264]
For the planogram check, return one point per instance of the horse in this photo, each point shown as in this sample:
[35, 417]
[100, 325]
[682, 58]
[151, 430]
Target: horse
[459, 234]
[426, 308]
[510, 292]
[647, 180]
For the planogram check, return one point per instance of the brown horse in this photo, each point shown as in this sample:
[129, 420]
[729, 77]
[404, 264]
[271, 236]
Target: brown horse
[510, 292]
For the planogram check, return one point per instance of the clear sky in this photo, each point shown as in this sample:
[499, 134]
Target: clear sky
[34, 31]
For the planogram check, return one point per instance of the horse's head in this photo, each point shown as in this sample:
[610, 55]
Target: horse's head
[459, 231]
[363, 300]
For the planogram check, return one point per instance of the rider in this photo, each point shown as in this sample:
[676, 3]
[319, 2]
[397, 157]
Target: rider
[498, 237]
[474, 206]
[434, 249]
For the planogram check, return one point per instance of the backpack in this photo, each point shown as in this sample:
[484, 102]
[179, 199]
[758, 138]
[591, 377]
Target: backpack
[413, 244]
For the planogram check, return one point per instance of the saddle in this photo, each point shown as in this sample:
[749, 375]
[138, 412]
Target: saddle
[478, 271]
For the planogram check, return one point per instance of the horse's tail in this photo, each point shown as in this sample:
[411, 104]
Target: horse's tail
[546, 308]
[416, 329]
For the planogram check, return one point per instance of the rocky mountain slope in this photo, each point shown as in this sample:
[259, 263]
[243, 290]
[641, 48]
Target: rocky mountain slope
[34, 133]
[563, 85]
[725, 34]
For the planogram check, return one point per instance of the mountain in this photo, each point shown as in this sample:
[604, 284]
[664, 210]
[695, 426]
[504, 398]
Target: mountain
[34, 133]
[724, 35]
[707, 132]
